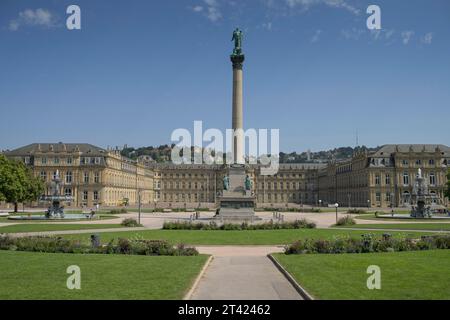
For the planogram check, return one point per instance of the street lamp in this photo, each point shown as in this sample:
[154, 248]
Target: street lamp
[368, 204]
[139, 206]
[320, 203]
[337, 206]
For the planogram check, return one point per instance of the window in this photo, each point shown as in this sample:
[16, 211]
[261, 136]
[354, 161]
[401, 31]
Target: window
[377, 179]
[388, 197]
[95, 195]
[388, 179]
[406, 179]
[54, 175]
[69, 160]
[56, 160]
[69, 177]
[85, 195]
[96, 177]
[405, 162]
[418, 162]
[44, 160]
[97, 160]
[431, 162]
[378, 197]
[432, 179]
[68, 192]
[86, 177]
[43, 175]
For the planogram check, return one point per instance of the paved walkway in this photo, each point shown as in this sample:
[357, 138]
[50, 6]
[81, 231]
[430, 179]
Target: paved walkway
[243, 273]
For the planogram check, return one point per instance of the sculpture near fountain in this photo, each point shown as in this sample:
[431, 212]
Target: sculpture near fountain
[421, 198]
[56, 210]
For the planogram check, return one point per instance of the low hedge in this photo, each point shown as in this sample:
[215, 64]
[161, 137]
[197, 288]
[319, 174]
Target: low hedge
[303, 210]
[346, 221]
[130, 222]
[118, 211]
[368, 243]
[184, 225]
[121, 246]
[356, 211]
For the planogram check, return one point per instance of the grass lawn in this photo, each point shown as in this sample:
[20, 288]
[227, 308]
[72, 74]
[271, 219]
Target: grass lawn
[222, 237]
[6, 220]
[30, 227]
[404, 275]
[372, 217]
[404, 226]
[29, 275]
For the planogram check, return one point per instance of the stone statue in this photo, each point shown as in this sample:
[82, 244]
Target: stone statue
[248, 183]
[226, 183]
[237, 38]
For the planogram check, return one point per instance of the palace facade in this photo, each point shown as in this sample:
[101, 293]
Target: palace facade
[89, 174]
[385, 178]
[94, 175]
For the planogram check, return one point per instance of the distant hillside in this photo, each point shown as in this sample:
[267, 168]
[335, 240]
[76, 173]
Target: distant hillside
[162, 154]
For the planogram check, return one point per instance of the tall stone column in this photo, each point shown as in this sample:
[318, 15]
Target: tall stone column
[237, 118]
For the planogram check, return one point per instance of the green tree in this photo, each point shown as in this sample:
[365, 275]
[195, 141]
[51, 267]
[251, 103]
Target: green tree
[17, 183]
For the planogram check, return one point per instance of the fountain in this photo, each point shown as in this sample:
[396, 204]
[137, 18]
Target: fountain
[421, 198]
[422, 203]
[55, 211]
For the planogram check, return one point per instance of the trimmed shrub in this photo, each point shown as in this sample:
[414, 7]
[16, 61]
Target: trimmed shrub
[130, 222]
[356, 211]
[118, 211]
[123, 246]
[186, 225]
[346, 221]
[368, 243]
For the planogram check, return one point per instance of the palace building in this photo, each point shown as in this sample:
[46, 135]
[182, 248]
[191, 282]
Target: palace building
[89, 174]
[93, 175]
[385, 178]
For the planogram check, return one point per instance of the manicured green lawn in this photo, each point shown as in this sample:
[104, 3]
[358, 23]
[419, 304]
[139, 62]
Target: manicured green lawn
[29, 227]
[372, 217]
[221, 237]
[404, 275]
[404, 226]
[6, 220]
[28, 275]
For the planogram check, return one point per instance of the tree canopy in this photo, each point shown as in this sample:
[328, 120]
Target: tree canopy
[17, 182]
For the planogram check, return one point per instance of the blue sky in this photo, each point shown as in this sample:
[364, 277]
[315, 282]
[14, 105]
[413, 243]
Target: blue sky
[140, 69]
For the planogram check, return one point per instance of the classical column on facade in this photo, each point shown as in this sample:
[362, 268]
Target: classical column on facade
[237, 59]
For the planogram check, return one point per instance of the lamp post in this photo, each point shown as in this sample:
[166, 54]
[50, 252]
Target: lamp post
[320, 203]
[368, 204]
[337, 206]
[139, 206]
[349, 202]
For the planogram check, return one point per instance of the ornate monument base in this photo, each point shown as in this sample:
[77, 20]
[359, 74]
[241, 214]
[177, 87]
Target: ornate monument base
[237, 203]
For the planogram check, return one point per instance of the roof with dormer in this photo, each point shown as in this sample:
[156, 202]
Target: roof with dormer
[59, 147]
[388, 149]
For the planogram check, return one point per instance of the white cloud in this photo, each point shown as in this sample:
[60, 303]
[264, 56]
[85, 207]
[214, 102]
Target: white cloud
[29, 17]
[316, 36]
[383, 34]
[197, 9]
[267, 26]
[406, 36]
[211, 10]
[306, 4]
[352, 34]
[427, 39]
